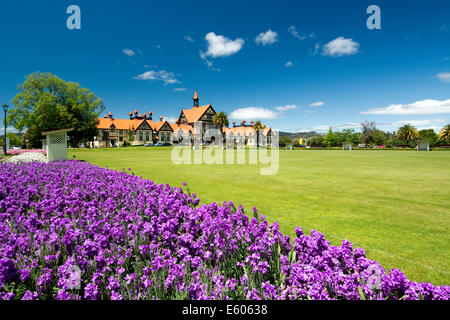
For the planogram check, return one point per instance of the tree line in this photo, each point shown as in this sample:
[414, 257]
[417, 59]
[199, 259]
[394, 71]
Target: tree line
[370, 135]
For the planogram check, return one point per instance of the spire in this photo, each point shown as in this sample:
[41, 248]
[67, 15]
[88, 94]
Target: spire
[196, 99]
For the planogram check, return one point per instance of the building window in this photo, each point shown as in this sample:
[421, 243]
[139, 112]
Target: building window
[147, 136]
[141, 136]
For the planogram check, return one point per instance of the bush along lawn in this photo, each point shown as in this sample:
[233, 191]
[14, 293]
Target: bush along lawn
[71, 230]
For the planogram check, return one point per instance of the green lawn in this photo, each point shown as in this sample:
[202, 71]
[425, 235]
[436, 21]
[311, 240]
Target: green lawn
[394, 204]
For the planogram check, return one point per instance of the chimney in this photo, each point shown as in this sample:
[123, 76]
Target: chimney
[251, 122]
[234, 124]
[145, 116]
[110, 115]
[160, 118]
[131, 115]
[150, 115]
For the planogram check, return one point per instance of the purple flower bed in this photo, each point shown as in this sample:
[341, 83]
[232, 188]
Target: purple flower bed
[71, 230]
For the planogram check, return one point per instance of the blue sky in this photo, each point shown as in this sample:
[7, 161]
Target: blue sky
[294, 65]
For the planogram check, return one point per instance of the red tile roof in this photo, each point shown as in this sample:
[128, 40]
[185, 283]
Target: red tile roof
[183, 127]
[195, 114]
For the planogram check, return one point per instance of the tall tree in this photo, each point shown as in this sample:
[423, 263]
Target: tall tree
[444, 134]
[315, 141]
[407, 133]
[368, 132]
[428, 135]
[258, 127]
[379, 137]
[47, 102]
[330, 139]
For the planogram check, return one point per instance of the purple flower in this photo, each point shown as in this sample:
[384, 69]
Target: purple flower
[115, 296]
[30, 295]
[91, 292]
[8, 270]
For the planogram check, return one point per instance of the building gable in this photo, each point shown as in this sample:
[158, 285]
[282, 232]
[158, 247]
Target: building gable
[195, 114]
[208, 115]
[144, 126]
[165, 127]
[210, 110]
[182, 117]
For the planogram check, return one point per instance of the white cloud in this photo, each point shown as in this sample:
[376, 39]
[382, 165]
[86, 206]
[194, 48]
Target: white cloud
[179, 89]
[204, 58]
[350, 125]
[266, 38]
[189, 38]
[289, 64]
[316, 49]
[285, 107]
[260, 113]
[208, 62]
[164, 76]
[253, 113]
[295, 33]
[340, 47]
[220, 46]
[422, 107]
[435, 124]
[418, 122]
[170, 119]
[321, 128]
[444, 76]
[129, 52]
[317, 104]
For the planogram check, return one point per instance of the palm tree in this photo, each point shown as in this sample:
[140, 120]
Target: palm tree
[258, 126]
[221, 120]
[444, 134]
[407, 133]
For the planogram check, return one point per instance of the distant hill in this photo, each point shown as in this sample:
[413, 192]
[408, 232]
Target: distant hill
[306, 135]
